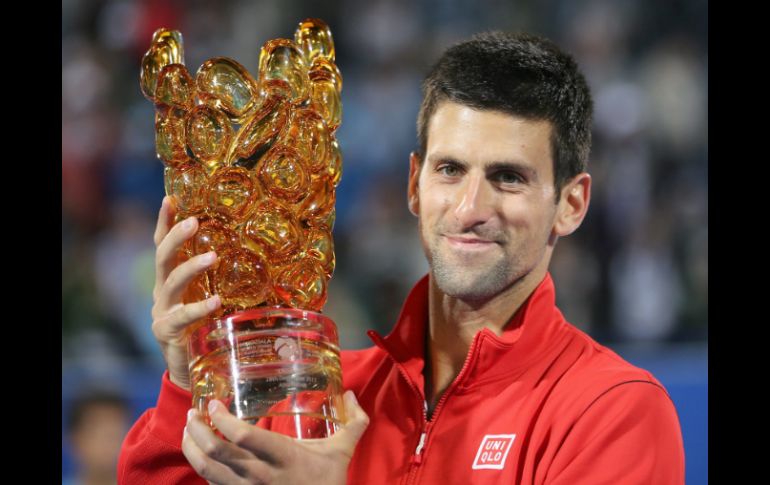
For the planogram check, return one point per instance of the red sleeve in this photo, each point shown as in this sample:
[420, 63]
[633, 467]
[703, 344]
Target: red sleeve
[630, 435]
[152, 450]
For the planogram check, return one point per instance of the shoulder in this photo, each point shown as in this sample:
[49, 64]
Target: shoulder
[630, 433]
[615, 422]
[598, 372]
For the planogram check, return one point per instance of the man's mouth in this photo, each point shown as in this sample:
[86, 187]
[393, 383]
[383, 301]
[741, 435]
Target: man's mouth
[469, 242]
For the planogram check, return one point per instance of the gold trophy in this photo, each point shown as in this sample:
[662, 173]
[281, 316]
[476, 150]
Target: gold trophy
[255, 159]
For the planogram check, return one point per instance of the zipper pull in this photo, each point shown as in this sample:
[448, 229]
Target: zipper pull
[417, 458]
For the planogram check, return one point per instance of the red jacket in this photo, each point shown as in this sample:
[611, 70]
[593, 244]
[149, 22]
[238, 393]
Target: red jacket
[541, 404]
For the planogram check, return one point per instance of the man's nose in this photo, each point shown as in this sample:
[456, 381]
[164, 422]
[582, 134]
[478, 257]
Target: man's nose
[476, 201]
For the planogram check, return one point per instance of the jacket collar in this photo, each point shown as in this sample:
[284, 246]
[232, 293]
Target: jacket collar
[536, 327]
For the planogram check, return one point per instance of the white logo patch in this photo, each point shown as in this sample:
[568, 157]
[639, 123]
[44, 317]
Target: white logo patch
[493, 451]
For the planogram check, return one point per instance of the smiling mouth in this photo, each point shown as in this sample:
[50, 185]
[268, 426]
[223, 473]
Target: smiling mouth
[469, 242]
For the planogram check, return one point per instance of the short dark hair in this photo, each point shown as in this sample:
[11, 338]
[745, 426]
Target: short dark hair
[522, 75]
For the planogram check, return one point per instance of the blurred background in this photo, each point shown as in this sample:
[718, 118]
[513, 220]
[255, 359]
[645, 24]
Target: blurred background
[635, 276]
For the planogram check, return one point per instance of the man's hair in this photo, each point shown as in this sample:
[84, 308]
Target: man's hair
[521, 75]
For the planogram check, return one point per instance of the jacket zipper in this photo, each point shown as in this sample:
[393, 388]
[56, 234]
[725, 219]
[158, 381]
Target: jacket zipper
[419, 452]
[423, 434]
[417, 457]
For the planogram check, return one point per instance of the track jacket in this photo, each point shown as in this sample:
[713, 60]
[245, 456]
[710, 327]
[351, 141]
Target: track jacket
[541, 404]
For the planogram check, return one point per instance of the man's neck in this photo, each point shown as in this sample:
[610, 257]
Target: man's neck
[453, 323]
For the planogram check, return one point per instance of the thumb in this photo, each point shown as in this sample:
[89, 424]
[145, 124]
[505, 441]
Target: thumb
[356, 424]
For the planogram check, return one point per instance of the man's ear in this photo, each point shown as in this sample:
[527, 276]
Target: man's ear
[573, 205]
[413, 197]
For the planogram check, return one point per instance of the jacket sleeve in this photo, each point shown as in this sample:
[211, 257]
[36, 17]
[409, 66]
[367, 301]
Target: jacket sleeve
[630, 434]
[152, 450]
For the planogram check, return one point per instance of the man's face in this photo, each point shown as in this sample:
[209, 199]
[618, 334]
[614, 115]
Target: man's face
[485, 198]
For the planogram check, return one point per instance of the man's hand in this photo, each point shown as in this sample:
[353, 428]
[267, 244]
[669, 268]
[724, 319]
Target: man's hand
[169, 315]
[255, 455]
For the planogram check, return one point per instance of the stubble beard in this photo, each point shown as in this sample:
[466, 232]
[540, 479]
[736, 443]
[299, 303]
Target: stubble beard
[478, 279]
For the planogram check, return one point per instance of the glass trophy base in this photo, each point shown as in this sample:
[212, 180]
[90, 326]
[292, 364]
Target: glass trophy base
[276, 368]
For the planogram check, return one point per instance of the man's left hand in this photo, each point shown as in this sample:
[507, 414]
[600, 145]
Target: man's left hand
[255, 455]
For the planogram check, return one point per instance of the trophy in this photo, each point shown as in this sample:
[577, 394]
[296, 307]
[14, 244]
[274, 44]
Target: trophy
[255, 159]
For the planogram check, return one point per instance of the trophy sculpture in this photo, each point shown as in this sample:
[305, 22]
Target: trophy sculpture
[255, 159]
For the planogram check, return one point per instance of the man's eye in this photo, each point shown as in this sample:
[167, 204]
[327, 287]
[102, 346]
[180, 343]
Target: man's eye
[507, 177]
[449, 170]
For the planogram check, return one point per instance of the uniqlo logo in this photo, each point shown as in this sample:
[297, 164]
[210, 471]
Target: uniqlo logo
[493, 451]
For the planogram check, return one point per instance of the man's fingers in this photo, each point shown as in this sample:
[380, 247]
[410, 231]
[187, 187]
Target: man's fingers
[168, 249]
[357, 422]
[165, 218]
[174, 286]
[239, 460]
[207, 467]
[181, 315]
[264, 444]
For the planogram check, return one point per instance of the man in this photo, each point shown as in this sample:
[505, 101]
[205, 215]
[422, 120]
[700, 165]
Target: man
[481, 380]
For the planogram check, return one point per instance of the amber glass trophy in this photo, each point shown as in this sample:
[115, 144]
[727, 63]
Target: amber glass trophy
[255, 159]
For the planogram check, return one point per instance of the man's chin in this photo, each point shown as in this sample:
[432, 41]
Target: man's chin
[487, 257]
[466, 293]
[470, 284]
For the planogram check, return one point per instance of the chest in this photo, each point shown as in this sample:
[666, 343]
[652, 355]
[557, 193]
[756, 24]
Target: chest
[503, 432]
